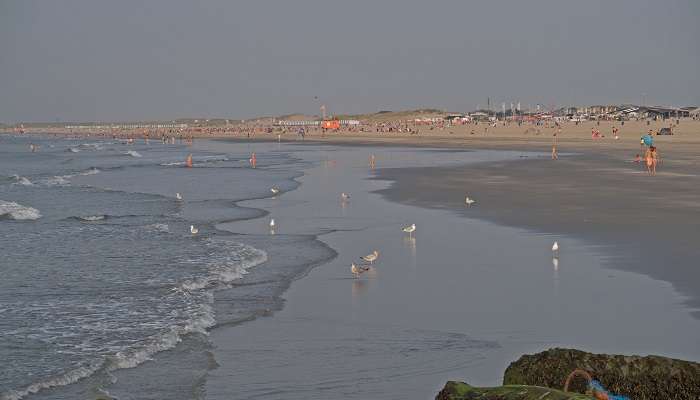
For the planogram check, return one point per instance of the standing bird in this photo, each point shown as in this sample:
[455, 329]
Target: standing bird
[357, 270]
[555, 249]
[370, 258]
[469, 201]
[410, 229]
[344, 197]
[193, 230]
[178, 196]
[272, 223]
[274, 190]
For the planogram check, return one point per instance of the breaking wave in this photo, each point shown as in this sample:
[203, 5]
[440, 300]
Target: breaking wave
[93, 218]
[133, 153]
[20, 180]
[231, 265]
[60, 180]
[11, 210]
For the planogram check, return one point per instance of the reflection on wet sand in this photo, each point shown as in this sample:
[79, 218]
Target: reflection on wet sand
[359, 286]
[410, 243]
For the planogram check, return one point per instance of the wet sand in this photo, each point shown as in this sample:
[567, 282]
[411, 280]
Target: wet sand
[648, 225]
[460, 300]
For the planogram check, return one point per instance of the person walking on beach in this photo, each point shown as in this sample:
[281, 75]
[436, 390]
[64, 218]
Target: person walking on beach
[651, 157]
[253, 160]
[555, 156]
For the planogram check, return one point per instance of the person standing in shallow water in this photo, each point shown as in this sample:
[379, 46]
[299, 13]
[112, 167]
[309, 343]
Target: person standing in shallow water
[555, 155]
[651, 157]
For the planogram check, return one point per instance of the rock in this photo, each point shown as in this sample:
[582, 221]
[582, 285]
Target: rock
[462, 391]
[639, 378]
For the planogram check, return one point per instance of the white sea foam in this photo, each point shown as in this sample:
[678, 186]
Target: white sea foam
[21, 180]
[201, 317]
[225, 271]
[92, 218]
[62, 380]
[73, 150]
[18, 211]
[133, 153]
[60, 180]
[91, 171]
[57, 180]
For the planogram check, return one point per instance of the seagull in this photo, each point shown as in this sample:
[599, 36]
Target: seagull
[193, 230]
[344, 196]
[469, 201]
[370, 258]
[272, 223]
[410, 229]
[274, 190]
[555, 248]
[357, 270]
[178, 196]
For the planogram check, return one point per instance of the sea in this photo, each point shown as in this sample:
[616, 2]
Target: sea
[105, 292]
[99, 268]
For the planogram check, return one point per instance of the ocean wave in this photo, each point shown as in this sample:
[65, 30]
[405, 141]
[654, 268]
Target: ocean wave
[226, 269]
[91, 146]
[16, 211]
[62, 380]
[229, 266]
[93, 218]
[61, 180]
[57, 180]
[124, 359]
[91, 171]
[159, 228]
[170, 164]
[21, 180]
[73, 150]
[133, 153]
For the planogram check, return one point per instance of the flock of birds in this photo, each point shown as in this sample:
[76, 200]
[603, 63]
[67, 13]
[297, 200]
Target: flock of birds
[369, 259]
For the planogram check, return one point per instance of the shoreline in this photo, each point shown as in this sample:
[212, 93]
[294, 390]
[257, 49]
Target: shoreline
[608, 205]
[330, 314]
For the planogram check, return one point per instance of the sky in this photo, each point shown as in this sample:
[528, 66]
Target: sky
[96, 60]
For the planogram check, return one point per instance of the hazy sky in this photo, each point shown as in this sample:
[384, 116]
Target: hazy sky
[130, 60]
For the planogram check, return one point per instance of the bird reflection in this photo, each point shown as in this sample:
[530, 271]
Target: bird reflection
[410, 242]
[359, 286]
[555, 263]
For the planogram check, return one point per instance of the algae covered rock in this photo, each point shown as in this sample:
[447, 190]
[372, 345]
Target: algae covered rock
[462, 391]
[639, 378]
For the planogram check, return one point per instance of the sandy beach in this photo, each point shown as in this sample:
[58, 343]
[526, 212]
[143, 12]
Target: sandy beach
[473, 289]
[437, 306]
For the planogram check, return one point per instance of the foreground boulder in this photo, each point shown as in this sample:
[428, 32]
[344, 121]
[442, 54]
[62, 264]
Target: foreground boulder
[462, 391]
[639, 378]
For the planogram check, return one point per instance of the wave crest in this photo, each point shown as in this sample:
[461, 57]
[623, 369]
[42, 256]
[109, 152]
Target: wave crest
[12, 210]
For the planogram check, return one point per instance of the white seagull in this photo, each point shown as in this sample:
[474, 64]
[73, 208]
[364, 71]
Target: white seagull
[193, 230]
[344, 196]
[357, 270]
[274, 190]
[370, 258]
[272, 223]
[409, 229]
[469, 201]
[178, 196]
[555, 248]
